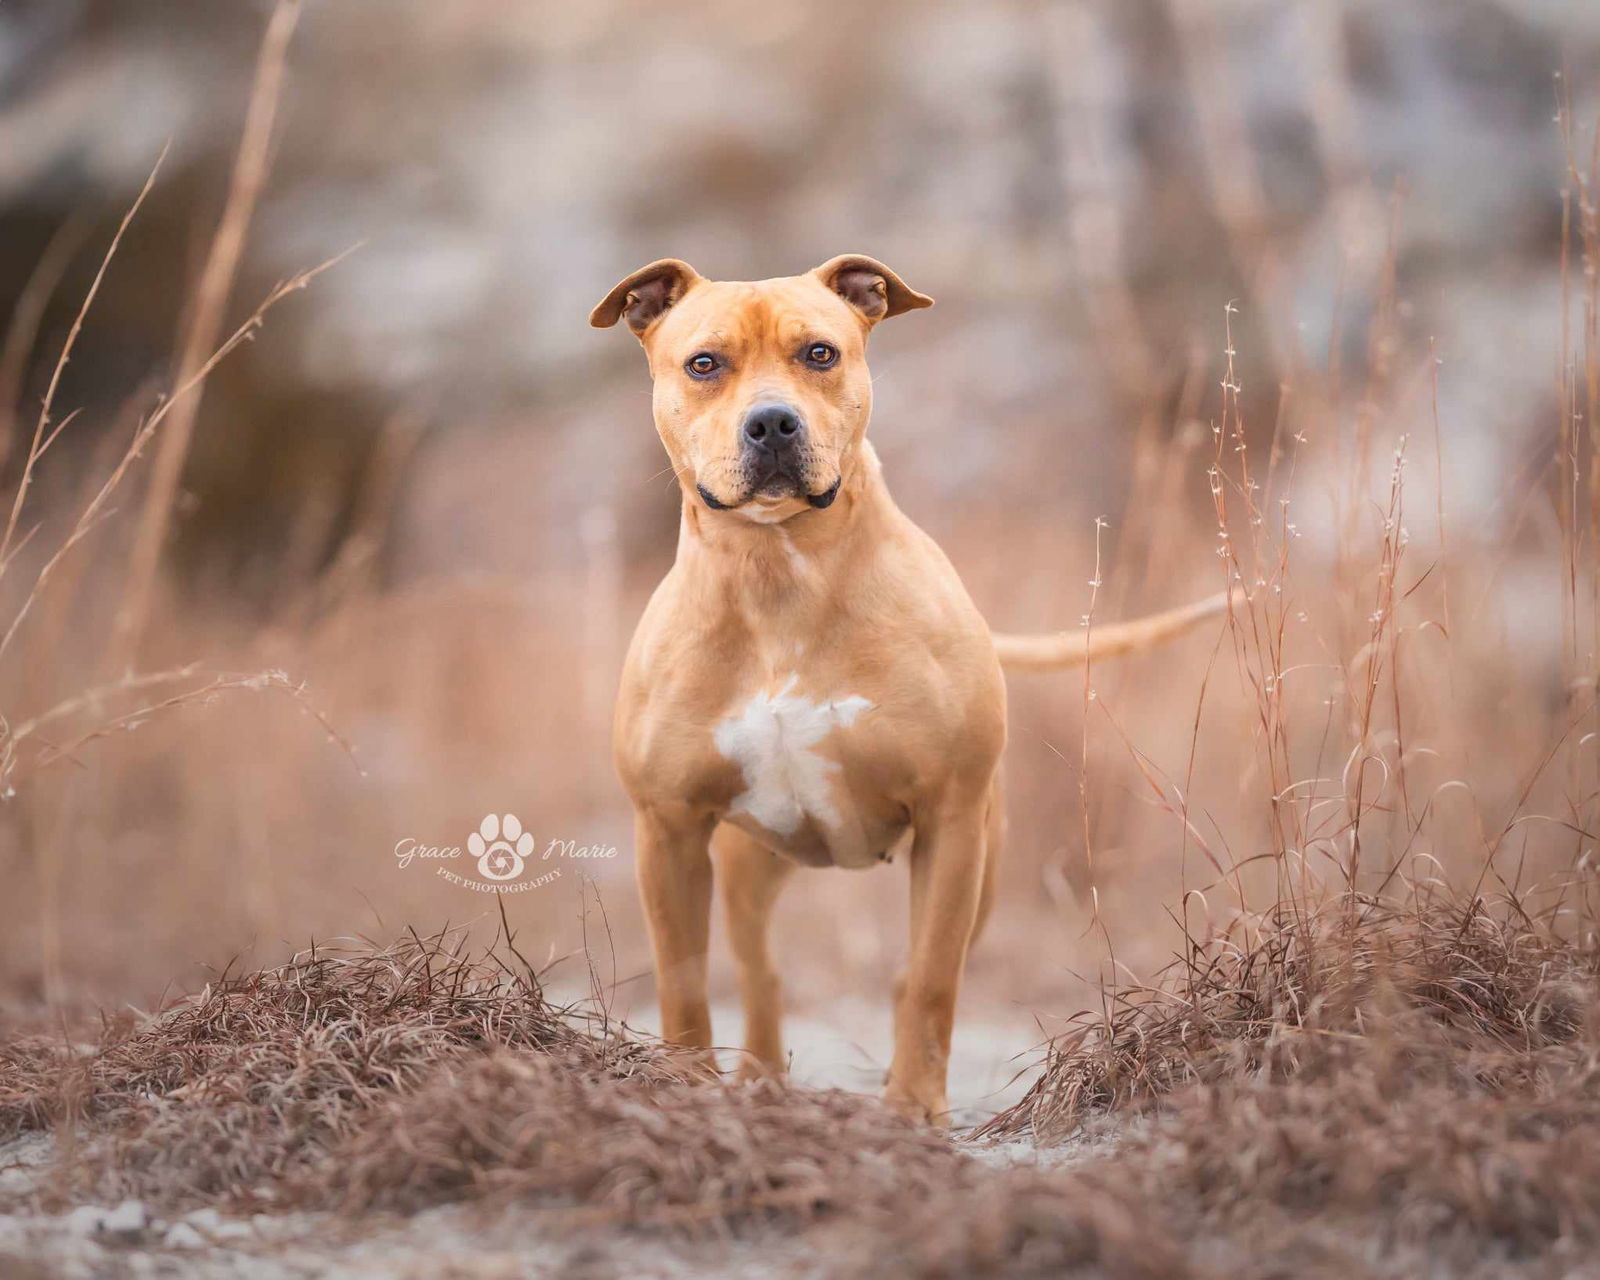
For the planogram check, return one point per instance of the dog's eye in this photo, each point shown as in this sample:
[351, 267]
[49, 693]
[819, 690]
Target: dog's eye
[821, 355]
[702, 365]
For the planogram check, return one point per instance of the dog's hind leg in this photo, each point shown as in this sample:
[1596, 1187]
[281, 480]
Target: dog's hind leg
[751, 879]
[994, 833]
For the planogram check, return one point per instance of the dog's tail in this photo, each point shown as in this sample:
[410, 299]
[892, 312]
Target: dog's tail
[1074, 648]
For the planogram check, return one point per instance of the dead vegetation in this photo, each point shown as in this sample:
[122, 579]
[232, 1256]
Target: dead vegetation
[1491, 998]
[646, 1151]
[1366, 1080]
[396, 1080]
[234, 1092]
[1355, 1088]
[413, 1076]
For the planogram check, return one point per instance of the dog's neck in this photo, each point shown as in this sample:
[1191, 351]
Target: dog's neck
[796, 563]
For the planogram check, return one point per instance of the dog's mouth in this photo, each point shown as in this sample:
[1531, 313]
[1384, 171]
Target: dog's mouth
[775, 488]
[822, 501]
[777, 484]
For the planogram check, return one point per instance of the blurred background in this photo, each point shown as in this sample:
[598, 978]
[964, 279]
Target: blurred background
[432, 497]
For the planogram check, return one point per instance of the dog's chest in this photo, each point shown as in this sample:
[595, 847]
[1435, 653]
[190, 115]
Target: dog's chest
[793, 752]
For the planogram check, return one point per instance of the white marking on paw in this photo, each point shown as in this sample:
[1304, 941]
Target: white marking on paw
[771, 740]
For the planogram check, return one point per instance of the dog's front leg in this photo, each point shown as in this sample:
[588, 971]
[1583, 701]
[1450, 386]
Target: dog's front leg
[947, 860]
[674, 868]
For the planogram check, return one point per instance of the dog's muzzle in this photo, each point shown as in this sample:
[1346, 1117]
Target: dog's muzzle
[774, 450]
[772, 459]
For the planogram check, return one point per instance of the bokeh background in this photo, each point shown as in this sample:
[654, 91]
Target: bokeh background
[431, 494]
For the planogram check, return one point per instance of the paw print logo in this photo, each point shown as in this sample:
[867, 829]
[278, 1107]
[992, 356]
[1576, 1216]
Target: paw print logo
[501, 846]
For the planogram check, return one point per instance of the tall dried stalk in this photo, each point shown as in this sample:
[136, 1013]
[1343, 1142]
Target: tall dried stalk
[205, 326]
[26, 318]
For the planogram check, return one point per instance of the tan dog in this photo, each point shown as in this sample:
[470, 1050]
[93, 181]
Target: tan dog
[810, 683]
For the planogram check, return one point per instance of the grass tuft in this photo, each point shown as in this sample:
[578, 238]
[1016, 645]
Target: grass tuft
[255, 1079]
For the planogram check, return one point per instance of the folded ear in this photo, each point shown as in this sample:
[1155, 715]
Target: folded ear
[645, 295]
[869, 286]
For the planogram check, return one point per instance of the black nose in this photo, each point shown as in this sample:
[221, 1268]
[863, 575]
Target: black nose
[771, 426]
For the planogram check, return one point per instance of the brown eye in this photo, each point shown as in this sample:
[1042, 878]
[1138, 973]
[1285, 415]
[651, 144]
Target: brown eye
[821, 355]
[702, 365]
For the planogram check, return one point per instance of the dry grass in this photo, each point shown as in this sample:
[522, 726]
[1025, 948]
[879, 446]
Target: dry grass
[1502, 993]
[1357, 1089]
[1369, 1082]
[644, 1151]
[1389, 1152]
[1017, 1223]
[596, 1151]
[257, 1077]
[399, 1079]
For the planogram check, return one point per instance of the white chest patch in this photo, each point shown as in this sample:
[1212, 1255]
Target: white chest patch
[772, 740]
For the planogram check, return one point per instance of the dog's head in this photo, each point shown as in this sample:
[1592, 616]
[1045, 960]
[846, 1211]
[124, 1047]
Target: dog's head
[761, 388]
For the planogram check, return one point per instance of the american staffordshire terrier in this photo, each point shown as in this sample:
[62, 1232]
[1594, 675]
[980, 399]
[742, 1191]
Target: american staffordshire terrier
[810, 685]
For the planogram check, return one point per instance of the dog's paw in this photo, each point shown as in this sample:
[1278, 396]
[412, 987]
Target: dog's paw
[695, 1066]
[751, 1068]
[501, 847]
[933, 1110]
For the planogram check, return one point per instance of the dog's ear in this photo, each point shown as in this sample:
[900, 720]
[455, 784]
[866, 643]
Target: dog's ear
[645, 295]
[869, 286]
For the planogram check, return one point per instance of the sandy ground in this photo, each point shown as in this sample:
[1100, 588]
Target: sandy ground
[106, 1242]
[992, 1061]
